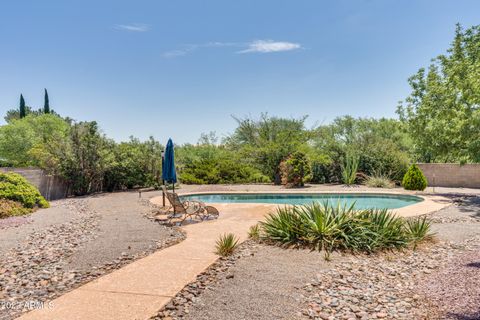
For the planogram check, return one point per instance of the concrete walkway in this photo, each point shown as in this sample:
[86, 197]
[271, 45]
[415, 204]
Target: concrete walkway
[138, 290]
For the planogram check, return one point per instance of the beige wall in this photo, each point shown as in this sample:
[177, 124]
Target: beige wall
[50, 187]
[451, 174]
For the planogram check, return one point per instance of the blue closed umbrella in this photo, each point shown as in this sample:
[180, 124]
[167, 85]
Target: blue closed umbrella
[168, 169]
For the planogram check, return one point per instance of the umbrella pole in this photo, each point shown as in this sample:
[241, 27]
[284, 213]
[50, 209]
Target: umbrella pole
[173, 186]
[163, 195]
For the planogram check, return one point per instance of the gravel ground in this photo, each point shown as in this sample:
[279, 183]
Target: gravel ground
[257, 282]
[122, 231]
[74, 242]
[13, 233]
[454, 289]
[440, 280]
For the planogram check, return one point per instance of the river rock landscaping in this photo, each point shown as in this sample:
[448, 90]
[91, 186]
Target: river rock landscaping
[45, 263]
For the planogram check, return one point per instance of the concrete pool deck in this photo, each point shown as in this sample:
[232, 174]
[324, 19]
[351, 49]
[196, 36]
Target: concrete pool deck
[140, 289]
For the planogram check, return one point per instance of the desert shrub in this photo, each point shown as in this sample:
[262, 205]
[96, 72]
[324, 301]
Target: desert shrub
[383, 145]
[379, 181]
[326, 227]
[414, 179]
[136, 164]
[226, 244]
[294, 170]
[210, 164]
[386, 158]
[15, 187]
[254, 232]
[9, 208]
[350, 168]
[267, 141]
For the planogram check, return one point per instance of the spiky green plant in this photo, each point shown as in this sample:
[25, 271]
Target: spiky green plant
[323, 224]
[226, 244]
[254, 232]
[326, 227]
[418, 230]
[386, 230]
[350, 168]
[283, 226]
[379, 181]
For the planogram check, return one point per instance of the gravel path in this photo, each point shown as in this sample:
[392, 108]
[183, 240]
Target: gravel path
[71, 243]
[122, 231]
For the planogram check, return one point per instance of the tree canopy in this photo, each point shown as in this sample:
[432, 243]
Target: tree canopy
[443, 110]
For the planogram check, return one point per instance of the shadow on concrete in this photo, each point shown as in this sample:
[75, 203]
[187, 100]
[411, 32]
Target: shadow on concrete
[467, 204]
[473, 265]
[473, 316]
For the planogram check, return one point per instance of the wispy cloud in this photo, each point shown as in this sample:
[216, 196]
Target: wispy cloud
[188, 48]
[258, 46]
[267, 46]
[133, 27]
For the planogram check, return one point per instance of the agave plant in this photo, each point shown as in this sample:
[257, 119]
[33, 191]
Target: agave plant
[350, 168]
[326, 227]
[324, 224]
[226, 244]
[254, 232]
[386, 230]
[283, 226]
[418, 230]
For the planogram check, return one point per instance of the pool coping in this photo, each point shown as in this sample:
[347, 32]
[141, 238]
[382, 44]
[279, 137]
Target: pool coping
[430, 203]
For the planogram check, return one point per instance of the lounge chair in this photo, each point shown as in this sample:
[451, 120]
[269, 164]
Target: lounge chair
[186, 209]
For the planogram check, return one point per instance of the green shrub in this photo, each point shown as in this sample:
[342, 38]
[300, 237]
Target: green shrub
[320, 170]
[350, 168]
[414, 179]
[226, 244]
[9, 208]
[15, 187]
[211, 164]
[295, 170]
[326, 227]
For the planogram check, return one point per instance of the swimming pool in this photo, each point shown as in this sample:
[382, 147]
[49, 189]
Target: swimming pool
[361, 200]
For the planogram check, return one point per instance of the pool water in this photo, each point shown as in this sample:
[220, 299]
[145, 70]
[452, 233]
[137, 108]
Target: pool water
[361, 201]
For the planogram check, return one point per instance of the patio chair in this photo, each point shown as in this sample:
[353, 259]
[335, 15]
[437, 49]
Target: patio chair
[186, 209]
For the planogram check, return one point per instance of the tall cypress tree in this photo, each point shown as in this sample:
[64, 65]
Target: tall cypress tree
[46, 105]
[23, 109]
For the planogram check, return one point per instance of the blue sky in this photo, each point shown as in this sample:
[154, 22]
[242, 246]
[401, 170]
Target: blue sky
[180, 68]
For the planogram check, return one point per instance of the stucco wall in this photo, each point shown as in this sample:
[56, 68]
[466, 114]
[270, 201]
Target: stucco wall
[452, 174]
[50, 187]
